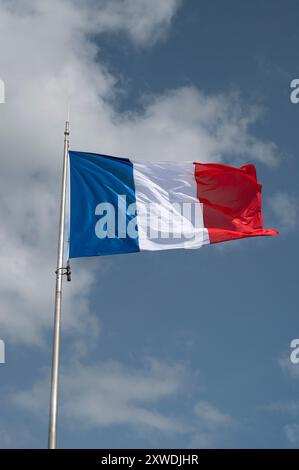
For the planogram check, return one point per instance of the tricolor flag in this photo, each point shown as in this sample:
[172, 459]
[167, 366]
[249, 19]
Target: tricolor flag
[116, 205]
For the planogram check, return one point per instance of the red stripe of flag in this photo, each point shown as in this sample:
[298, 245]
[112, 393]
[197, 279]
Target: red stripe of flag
[232, 203]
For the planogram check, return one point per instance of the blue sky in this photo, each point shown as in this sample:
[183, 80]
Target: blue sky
[171, 349]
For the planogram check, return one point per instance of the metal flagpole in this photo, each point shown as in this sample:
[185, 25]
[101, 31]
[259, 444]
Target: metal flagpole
[60, 271]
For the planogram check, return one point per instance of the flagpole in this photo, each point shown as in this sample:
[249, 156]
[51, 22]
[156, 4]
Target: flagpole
[60, 271]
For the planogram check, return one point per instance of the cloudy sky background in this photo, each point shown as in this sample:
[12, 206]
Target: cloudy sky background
[172, 349]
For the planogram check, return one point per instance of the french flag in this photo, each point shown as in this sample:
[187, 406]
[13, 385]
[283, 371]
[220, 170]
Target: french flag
[117, 205]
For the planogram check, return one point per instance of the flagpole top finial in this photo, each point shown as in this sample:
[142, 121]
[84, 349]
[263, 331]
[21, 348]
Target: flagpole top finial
[67, 128]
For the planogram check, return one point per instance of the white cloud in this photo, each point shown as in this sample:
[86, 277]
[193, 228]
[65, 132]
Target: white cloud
[291, 408]
[49, 58]
[211, 416]
[145, 21]
[202, 440]
[16, 436]
[111, 393]
[284, 207]
[292, 433]
[210, 423]
[288, 408]
[288, 368]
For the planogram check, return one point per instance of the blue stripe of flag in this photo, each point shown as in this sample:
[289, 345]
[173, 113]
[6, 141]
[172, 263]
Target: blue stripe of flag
[94, 179]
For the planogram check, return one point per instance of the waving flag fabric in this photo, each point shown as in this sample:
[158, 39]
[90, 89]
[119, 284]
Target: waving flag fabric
[117, 205]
